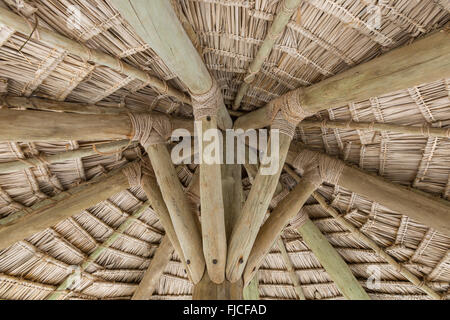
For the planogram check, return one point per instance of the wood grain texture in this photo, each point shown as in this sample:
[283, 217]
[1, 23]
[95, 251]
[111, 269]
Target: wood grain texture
[253, 212]
[425, 208]
[150, 282]
[180, 210]
[424, 61]
[212, 207]
[333, 263]
[67, 204]
[57, 40]
[208, 290]
[157, 23]
[286, 210]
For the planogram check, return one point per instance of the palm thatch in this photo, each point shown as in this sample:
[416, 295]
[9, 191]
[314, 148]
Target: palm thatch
[322, 39]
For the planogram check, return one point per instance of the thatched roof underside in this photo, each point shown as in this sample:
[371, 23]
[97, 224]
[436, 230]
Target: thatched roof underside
[324, 38]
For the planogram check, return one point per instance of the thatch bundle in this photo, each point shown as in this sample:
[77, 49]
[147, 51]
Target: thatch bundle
[322, 39]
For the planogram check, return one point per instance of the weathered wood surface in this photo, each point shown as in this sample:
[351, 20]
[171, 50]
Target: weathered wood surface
[151, 189]
[180, 210]
[427, 209]
[49, 212]
[157, 23]
[286, 210]
[251, 291]
[290, 267]
[253, 212]
[383, 127]
[57, 40]
[212, 207]
[333, 263]
[375, 247]
[424, 61]
[208, 290]
[152, 276]
[287, 9]
[26, 126]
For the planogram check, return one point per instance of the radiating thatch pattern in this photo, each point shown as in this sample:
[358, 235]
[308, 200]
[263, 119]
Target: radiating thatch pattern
[324, 38]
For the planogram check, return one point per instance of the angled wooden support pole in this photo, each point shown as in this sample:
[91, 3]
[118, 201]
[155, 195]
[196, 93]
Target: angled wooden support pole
[179, 208]
[290, 267]
[375, 247]
[427, 209]
[287, 9]
[54, 39]
[424, 61]
[284, 120]
[49, 212]
[251, 291]
[286, 210]
[330, 259]
[152, 276]
[157, 23]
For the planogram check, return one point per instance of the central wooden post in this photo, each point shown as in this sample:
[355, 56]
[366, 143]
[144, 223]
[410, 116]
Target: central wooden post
[208, 290]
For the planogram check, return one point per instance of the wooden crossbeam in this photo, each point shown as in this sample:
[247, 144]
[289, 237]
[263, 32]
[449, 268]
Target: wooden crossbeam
[19, 125]
[152, 276]
[425, 208]
[424, 130]
[286, 210]
[424, 61]
[276, 29]
[49, 212]
[159, 26]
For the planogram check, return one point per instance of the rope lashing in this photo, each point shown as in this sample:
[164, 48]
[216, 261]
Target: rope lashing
[150, 129]
[299, 220]
[330, 168]
[287, 112]
[207, 104]
[133, 172]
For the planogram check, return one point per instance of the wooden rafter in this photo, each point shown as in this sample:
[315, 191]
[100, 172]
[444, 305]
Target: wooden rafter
[424, 61]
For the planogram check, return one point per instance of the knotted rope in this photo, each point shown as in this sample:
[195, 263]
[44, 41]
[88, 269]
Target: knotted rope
[330, 169]
[134, 174]
[287, 112]
[207, 104]
[150, 129]
[299, 220]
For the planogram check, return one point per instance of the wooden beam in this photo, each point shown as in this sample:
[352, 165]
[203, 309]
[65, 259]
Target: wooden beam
[290, 267]
[56, 40]
[286, 210]
[424, 130]
[157, 23]
[333, 263]
[60, 291]
[251, 291]
[424, 61]
[287, 9]
[253, 212]
[425, 208]
[180, 210]
[153, 192]
[26, 126]
[152, 276]
[104, 148]
[375, 247]
[49, 212]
